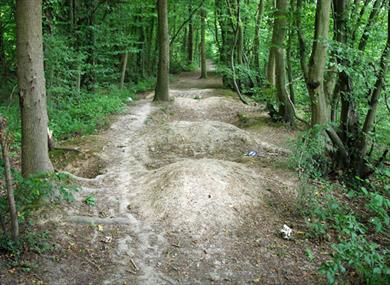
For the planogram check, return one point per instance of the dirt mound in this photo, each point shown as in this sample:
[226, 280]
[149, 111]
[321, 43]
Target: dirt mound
[178, 140]
[212, 108]
[201, 196]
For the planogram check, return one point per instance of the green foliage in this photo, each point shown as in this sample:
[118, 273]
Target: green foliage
[366, 258]
[33, 241]
[265, 94]
[177, 67]
[11, 113]
[308, 156]
[330, 217]
[30, 195]
[90, 200]
[84, 113]
[352, 251]
[63, 65]
[79, 115]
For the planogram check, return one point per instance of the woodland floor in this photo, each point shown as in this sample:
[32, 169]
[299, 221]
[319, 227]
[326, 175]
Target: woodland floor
[177, 202]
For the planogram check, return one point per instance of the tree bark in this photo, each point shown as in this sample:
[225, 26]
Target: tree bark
[286, 110]
[301, 41]
[3, 60]
[348, 116]
[203, 16]
[8, 179]
[373, 104]
[256, 40]
[320, 113]
[271, 78]
[162, 87]
[270, 68]
[190, 42]
[32, 90]
[240, 43]
[124, 67]
[227, 38]
[289, 66]
[291, 33]
[232, 53]
[359, 18]
[371, 20]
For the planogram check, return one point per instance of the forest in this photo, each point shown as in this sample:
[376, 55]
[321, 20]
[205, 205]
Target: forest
[194, 142]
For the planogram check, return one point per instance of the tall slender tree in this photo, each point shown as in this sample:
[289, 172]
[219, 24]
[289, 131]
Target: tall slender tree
[256, 40]
[32, 90]
[320, 111]
[162, 86]
[203, 65]
[190, 40]
[286, 110]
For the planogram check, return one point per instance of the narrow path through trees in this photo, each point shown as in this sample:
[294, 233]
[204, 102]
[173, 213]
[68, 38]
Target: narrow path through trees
[178, 202]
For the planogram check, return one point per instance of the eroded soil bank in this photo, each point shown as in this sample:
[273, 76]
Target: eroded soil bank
[177, 202]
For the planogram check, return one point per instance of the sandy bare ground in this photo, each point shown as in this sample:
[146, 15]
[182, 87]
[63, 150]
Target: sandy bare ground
[177, 202]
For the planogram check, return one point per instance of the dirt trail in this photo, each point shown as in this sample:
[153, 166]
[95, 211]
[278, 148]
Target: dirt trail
[177, 202]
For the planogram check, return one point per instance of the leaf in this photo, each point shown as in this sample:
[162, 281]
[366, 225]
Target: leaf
[309, 254]
[378, 224]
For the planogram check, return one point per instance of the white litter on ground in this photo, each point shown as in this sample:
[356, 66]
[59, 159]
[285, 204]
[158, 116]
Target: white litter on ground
[286, 231]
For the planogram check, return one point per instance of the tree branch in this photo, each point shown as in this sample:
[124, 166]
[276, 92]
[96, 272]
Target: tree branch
[338, 142]
[301, 41]
[185, 22]
[366, 33]
[236, 87]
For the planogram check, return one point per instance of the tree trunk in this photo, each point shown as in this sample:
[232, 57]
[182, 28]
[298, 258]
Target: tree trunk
[256, 40]
[184, 41]
[8, 180]
[301, 40]
[124, 67]
[141, 52]
[320, 113]
[373, 104]
[286, 110]
[371, 20]
[203, 44]
[348, 116]
[32, 90]
[162, 87]
[289, 54]
[227, 38]
[3, 60]
[190, 41]
[232, 53]
[240, 43]
[271, 68]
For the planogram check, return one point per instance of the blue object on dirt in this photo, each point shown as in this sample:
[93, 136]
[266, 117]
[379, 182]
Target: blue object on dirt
[252, 153]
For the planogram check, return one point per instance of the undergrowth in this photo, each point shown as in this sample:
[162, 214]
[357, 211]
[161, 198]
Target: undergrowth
[48, 190]
[78, 114]
[353, 218]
